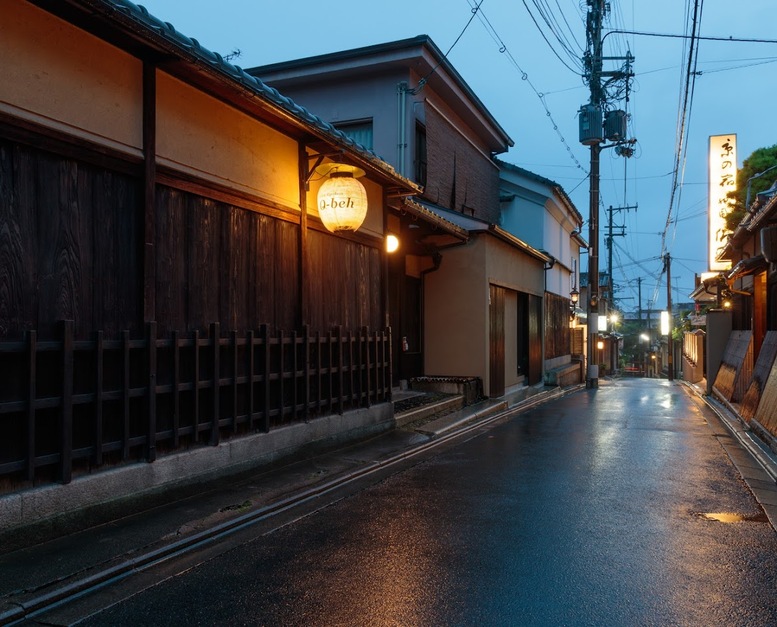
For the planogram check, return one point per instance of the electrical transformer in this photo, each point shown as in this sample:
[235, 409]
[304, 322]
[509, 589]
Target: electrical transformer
[590, 125]
[615, 125]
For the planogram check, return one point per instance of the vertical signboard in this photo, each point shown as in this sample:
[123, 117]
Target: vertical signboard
[722, 180]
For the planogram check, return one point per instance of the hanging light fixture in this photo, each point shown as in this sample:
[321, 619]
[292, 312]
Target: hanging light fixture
[342, 200]
[574, 297]
[392, 243]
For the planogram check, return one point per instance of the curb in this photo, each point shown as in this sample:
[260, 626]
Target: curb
[765, 495]
[741, 431]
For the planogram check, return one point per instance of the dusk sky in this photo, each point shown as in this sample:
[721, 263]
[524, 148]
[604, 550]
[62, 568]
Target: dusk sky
[534, 90]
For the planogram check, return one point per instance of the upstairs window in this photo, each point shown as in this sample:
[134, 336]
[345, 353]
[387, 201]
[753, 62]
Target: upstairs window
[420, 155]
[359, 131]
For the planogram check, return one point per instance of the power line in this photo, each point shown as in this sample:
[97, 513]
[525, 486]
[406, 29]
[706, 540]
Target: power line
[697, 37]
[525, 77]
[684, 116]
[547, 18]
[423, 81]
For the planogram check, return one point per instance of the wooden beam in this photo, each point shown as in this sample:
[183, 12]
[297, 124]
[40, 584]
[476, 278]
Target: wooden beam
[149, 191]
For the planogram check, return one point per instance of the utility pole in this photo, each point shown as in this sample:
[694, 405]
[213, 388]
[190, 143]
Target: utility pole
[670, 339]
[610, 234]
[639, 307]
[596, 126]
[593, 63]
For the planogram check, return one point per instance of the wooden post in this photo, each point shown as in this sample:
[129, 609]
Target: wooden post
[99, 359]
[32, 375]
[294, 375]
[267, 365]
[330, 370]
[390, 348]
[351, 388]
[306, 394]
[302, 313]
[149, 190]
[281, 374]
[125, 400]
[318, 371]
[233, 337]
[151, 392]
[251, 369]
[340, 374]
[215, 364]
[367, 365]
[176, 389]
[66, 417]
[196, 385]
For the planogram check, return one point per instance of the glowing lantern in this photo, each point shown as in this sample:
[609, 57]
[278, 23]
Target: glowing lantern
[342, 200]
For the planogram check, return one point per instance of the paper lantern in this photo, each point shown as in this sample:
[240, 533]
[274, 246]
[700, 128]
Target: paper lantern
[342, 200]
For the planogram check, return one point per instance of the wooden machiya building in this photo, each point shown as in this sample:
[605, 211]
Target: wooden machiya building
[167, 287]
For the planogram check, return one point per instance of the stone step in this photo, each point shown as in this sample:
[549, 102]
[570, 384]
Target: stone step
[455, 419]
[429, 410]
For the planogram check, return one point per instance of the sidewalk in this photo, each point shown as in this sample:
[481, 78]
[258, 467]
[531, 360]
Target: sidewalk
[756, 463]
[35, 572]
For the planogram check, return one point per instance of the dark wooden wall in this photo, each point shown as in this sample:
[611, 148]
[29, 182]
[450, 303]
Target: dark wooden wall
[221, 263]
[70, 249]
[557, 335]
[344, 283]
[68, 245]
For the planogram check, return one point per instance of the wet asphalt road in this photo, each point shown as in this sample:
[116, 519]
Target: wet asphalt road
[588, 510]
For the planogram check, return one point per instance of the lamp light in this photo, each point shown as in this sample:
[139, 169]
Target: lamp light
[600, 344]
[342, 200]
[392, 243]
[665, 329]
[574, 297]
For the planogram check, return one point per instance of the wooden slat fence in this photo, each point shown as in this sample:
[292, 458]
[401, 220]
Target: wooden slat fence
[72, 405]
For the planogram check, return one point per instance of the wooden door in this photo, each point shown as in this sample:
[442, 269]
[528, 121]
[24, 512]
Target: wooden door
[496, 351]
[535, 327]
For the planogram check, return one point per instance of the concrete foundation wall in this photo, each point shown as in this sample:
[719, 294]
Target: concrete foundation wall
[191, 467]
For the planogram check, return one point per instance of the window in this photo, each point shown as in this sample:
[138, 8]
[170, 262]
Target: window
[360, 132]
[420, 155]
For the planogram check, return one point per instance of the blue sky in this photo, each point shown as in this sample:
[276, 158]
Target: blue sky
[534, 91]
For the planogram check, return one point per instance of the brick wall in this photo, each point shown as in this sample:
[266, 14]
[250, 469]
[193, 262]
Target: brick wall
[459, 177]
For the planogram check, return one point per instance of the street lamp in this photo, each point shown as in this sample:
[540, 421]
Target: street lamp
[665, 329]
[574, 297]
[645, 338]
